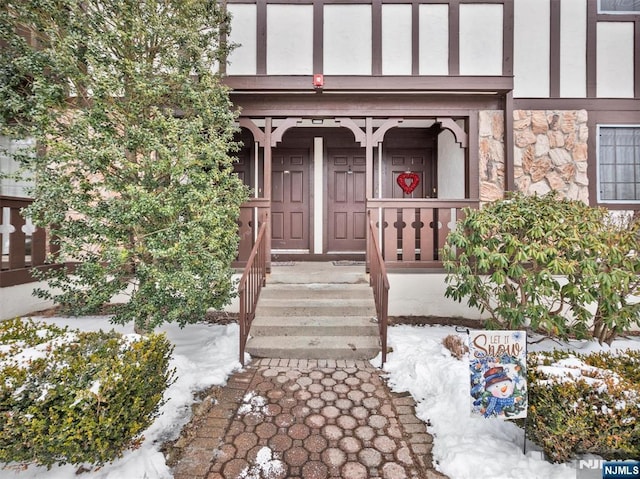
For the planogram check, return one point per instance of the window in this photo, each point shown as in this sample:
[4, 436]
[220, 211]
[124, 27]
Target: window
[619, 163]
[619, 6]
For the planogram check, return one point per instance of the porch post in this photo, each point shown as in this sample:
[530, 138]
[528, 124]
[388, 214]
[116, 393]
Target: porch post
[267, 186]
[368, 148]
[369, 156]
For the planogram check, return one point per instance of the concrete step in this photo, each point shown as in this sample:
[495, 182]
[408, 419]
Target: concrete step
[339, 308]
[314, 347]
[314, 326]
[315, 311]
[316, 291]
[317, 272]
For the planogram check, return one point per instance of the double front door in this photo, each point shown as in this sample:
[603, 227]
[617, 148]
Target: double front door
[292, 201]
[342, 194]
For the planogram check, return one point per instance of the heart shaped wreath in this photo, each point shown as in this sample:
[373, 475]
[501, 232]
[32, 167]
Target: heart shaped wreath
[408, 182]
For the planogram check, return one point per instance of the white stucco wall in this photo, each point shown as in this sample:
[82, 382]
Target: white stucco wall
[18, 301]
[8, 165]
[396, 39]
[531, 48]
[434, 39]
[481, 39]
[573, 48]
[451, 170]
[615, 60]
[347, 39]
[289, 39]
[242, 60]
[423, 295]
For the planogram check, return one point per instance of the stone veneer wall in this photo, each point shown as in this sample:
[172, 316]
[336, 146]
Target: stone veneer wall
[551, 153]
[491, 169]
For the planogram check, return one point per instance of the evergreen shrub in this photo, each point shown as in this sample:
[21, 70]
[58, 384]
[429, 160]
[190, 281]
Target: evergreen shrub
[556, 266]
[597, 413]
[77, 397]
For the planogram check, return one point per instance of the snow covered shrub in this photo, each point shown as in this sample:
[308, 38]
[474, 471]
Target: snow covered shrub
[558, 266]
[76, 397]
[582, 404]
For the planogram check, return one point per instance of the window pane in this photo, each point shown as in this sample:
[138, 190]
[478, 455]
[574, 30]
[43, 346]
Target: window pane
[607, 155]
[620, 5]
[626, 191]
[624, 136]
[607, 136]
[619, 163]
[607, 191]
[625, 173]
[607, 174]
[625, 154]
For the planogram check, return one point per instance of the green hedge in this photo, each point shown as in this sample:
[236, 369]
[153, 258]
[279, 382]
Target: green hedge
[568, 418]
[83, 397]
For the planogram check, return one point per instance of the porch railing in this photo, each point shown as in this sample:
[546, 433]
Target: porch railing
[22, 245]
[252, 215]
[413, 232]
[380, 283]
[251, 283]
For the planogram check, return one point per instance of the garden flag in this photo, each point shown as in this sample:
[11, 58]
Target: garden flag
[497, 364]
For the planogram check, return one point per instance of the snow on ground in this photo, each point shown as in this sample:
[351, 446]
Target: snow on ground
[204, 355]
[464, 447]
[467, 447]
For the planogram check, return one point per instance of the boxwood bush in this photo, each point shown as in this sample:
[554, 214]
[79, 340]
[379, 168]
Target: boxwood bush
[77, 397]
[598, 413]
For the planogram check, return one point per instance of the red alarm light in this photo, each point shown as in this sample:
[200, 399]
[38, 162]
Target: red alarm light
[318, 80]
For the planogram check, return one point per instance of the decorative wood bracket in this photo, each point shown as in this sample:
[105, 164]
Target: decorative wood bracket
[276, 136]
[359, 135]
[258, 134]
[378, 135]
[459, 134]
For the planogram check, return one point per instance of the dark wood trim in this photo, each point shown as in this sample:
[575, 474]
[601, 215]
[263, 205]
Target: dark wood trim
[473, 190]
[360, 106]
[275, 257]
[365, 2]
[267, 170]
[592, 44]
[261, 37]
[509, 174]
[369, 158]
[454, 37]
[434, 203]
[507, 39]
[318, 36]
[591, 104]
[389, 83]
[376, 37]
[636, 67]
[256, 203]
[15, 277]
[554, 53]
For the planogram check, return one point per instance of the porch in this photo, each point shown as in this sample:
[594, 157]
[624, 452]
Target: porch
[412, 235]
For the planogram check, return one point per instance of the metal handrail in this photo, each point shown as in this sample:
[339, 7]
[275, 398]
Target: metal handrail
[379, 281]
[251, 283]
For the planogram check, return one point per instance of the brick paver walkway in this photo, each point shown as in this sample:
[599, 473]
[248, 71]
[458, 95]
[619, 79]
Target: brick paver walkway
[289, 418]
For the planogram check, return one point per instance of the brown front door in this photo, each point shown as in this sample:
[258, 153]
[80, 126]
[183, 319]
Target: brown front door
[420, 162]
[290, 199]
[346, 200]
